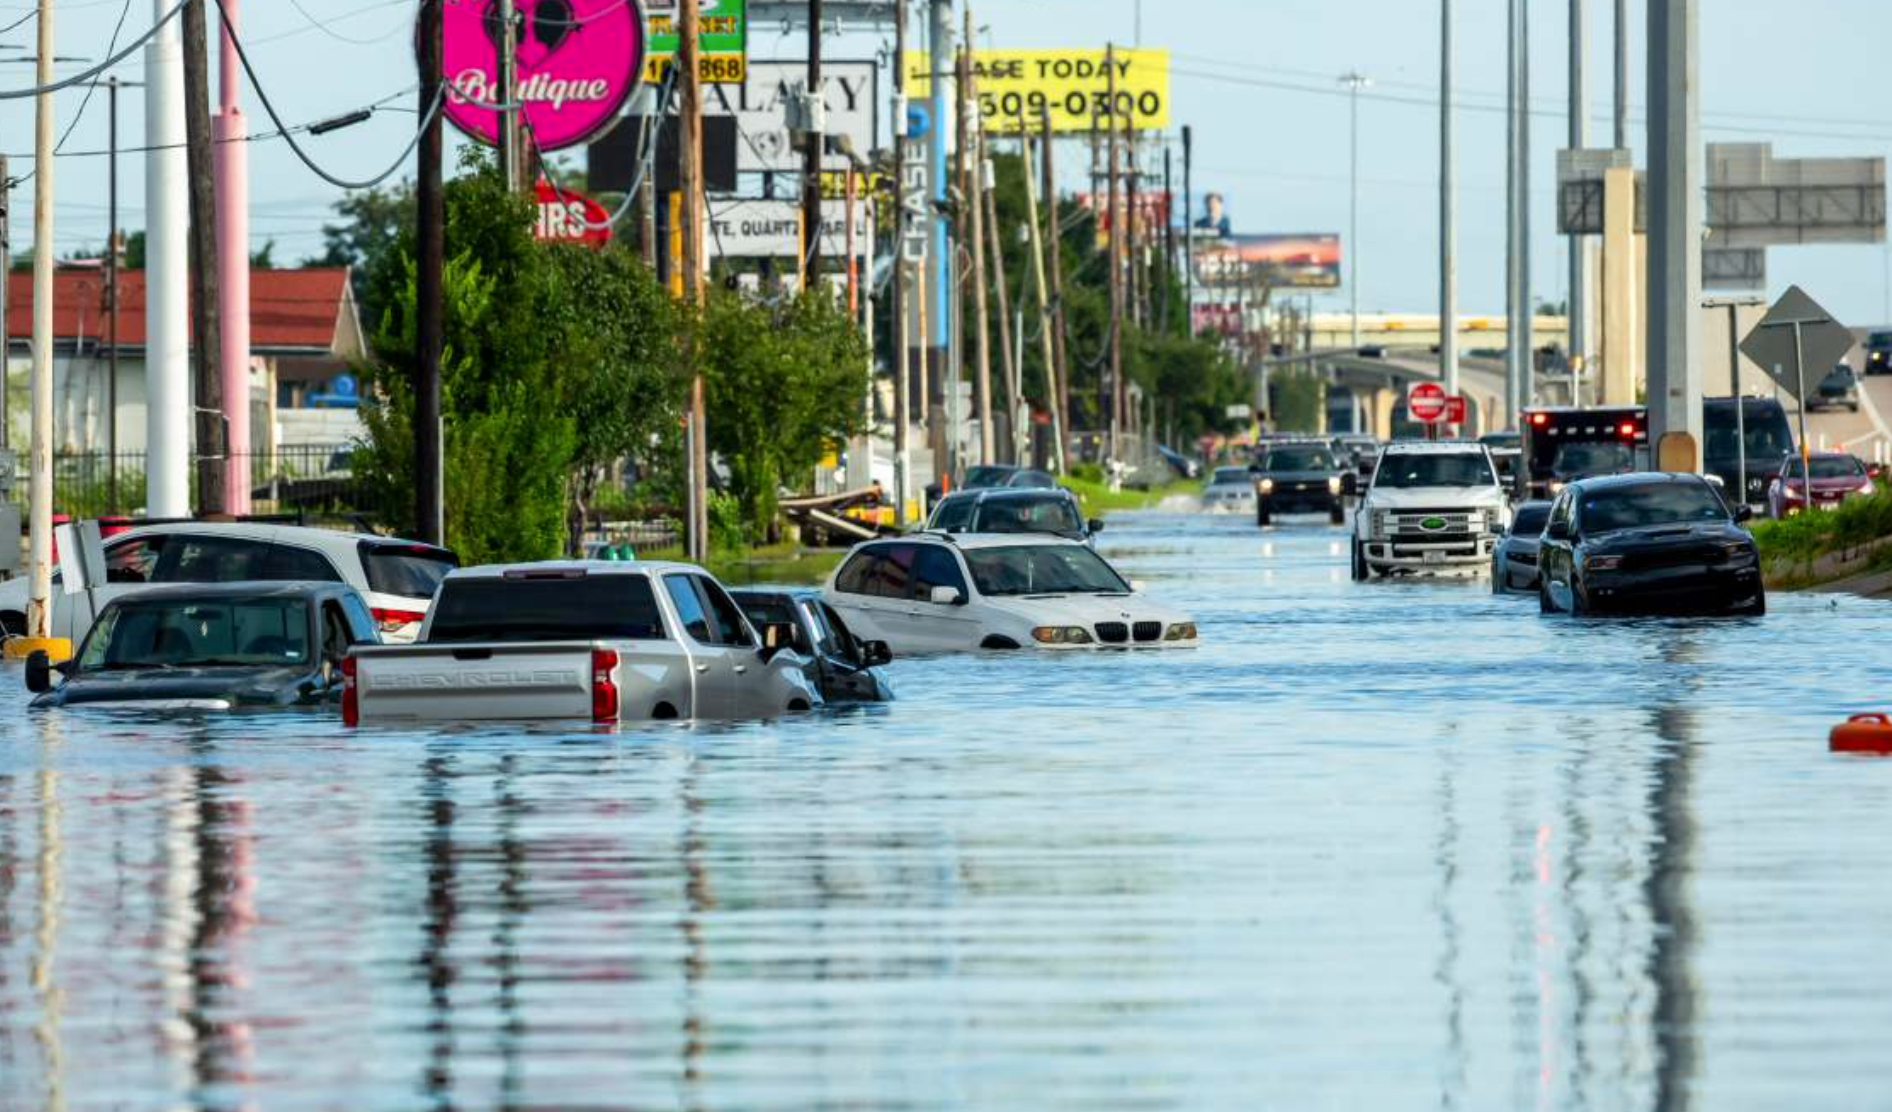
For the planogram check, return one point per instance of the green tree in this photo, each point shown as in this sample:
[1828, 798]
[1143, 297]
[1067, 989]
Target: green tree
[374, 224]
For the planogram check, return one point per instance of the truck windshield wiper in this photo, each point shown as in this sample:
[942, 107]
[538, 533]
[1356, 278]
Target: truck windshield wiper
[134, 666]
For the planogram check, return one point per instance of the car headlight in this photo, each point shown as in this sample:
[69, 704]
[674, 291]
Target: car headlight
[1866, 487]
[1061, 635]
[1602, 563]
[1181, 631]
[1736, 550]
[1333, 484]
[1266, 486]
[1379, 524]
[1557, 486]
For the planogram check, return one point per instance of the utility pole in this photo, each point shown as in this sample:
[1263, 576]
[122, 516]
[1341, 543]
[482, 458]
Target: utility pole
[1578, 308]
[1448, 211]
[903, 331]
[39, 605]
[1113, 404]
[111, 295]
[1008, 363]
[1047, 320]
[1354, 81]
[1189, 224]
[508, 90]
[972, 185]
[939, 283]
[811, 166]
[6, 268]
[1527, 366]
[690, 179]
[1134, 283]
[430, 307]
[233, 271]
[213, 441]
[1675, 234]
[1054, 247]
[1513, 247]
[1622, 75]
[168, 416]
[1169, 237]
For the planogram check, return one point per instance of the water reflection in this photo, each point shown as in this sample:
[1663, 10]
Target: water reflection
[1370, 847]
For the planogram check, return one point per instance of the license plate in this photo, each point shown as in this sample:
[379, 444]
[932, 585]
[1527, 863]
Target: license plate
[1435, 557]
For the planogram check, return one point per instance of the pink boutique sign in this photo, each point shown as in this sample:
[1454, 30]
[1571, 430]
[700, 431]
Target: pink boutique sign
[578, 60]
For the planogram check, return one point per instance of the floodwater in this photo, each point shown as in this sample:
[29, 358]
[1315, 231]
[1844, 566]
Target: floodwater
[1395, 845]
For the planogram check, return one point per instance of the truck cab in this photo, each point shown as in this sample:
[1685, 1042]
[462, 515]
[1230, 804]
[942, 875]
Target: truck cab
[1433, 508]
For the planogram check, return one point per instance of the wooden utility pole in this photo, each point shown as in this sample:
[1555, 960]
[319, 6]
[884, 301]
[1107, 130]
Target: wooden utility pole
[1054, 246]
[995, 241]
[972, 187]
[690, 179]
[811, 165]
[430, 306]
[1054, 380]
[902, 374]
[1113, 396]
[1132, 229]
[213, 448]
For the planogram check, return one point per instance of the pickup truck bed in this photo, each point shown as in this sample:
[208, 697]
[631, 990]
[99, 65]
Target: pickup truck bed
[547, 680]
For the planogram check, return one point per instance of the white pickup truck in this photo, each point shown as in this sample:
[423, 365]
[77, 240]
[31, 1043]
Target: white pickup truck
[1434, 507]
[608, 642]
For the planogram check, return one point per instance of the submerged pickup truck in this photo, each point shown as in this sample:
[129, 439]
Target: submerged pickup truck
[607, 642]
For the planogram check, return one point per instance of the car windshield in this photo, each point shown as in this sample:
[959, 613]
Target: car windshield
[1301, 459]
[953, 514]
[1768, 437]
[1632, 507]
[1028, 515]
[1879, 339]
[1530, 519]
[183, 634]
[549, 608]
[1232, 476]
[1838, 379]
[978, 478]
[1826, 467]
[1402, 470]
[1043, 570]
[1574, 461]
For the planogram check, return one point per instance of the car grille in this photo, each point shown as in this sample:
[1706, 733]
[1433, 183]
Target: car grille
[1529, 559]
[1674, 556]
[1456, 525]
[1113, 633]
[1148, 631]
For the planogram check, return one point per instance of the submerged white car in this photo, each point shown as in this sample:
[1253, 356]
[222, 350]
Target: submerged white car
[930, 594]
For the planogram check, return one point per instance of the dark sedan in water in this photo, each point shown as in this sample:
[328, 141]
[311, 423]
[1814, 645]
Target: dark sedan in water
[844, 668]
[1648, 543]
[224, 646]
[1514, 561]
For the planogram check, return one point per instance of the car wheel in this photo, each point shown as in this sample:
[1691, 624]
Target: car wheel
[1757, 608]
[1545, 604]
[1337, 513]
[1263, 516]
[1360, 570]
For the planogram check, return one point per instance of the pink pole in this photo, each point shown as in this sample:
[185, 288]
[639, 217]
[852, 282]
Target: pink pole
[233, 266]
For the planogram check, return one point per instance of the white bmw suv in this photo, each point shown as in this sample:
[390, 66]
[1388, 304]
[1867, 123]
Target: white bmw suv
[1433, 507]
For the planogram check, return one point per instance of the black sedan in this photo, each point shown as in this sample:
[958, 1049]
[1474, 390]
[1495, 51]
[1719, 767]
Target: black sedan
[223, 646]
[1648, 543]
[841, 665]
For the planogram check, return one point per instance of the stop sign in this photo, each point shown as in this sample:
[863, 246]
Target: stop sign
[1426, 402]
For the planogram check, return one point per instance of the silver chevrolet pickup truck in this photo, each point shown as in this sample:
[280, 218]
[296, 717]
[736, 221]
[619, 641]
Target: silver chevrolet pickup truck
[608, 642]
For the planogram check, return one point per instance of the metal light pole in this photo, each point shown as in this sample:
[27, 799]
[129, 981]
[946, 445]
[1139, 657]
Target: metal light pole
[1578, 308]
[1527, 309]
[167, 326]
[1354, 81]
[39, 606]
[1448, 210]
[1622, 74]
[1676, 213]
[1513, 257]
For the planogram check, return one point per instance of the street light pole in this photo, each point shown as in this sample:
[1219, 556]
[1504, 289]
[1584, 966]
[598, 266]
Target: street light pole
[1448, 210]
[1354, 81]
[1578, 307]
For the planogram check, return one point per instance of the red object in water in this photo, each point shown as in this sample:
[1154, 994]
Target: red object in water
[1863, 733]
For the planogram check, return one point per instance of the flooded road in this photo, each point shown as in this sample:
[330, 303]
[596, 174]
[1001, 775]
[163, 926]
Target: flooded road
[1394, 845]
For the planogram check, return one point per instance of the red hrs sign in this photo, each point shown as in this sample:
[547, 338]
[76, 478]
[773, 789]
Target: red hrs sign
[567, 216]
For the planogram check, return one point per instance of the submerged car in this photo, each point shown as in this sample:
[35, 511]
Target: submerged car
[1013, 510]
[1836, 477]
[1302, 478]
[1434, 507]
[994, 476]
[1230, 490]
[1514, 561]
[930, 594]
[212, 647]
[1648, 543]
[842, 666]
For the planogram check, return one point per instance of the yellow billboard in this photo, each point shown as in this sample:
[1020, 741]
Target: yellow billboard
[1075, 84]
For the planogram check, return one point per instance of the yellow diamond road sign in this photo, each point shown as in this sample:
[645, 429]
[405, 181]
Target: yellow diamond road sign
[1797, 342]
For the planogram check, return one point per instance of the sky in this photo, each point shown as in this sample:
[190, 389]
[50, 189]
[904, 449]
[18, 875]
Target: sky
[1256, 79]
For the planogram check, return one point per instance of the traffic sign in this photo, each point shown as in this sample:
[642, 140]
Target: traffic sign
[1455, 409]
[1426, 402]
[1796, 336]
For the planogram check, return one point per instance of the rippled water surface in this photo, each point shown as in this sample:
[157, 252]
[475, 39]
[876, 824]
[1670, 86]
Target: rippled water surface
[1374, 846]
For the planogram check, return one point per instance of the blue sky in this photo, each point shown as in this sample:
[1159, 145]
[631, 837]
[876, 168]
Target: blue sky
[1255, 78]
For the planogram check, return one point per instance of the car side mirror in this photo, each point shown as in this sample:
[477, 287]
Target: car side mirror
[39, 672]
[876, 653]
[1743, 512]
[946, 596]
[1095, 524]
[1558, 530]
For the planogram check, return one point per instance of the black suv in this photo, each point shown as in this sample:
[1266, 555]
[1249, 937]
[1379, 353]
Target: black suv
[1879, 353]
[1302, 478]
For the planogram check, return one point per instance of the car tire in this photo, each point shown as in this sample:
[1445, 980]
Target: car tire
[1264, 517]
[1545, 604]
[1337, 513]
[1754, 609]
[1361, 572]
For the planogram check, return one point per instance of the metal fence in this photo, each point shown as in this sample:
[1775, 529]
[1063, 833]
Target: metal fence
[303, 477]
